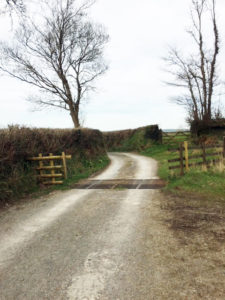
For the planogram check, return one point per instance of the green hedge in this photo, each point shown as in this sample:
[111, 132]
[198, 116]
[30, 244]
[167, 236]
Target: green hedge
[18, 143]
[214, 126]
[133, 139]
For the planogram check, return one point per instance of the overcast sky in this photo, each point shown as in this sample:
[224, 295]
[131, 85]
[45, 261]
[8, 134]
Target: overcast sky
[132, 93]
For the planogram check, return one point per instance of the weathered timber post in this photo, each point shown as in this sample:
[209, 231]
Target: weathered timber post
[64, 164]
[52, 170]
[204, 154]
[41, 165]
[224, 147]
[181, 160]
[186, 156]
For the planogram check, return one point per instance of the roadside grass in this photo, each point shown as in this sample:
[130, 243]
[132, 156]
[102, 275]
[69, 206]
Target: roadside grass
[82, 169]
[209, 184]
[78, 169]
[18, 175]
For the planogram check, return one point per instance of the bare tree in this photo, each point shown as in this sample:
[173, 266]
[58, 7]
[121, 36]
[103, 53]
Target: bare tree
[198, 72]
[62, 55]
[13, 5]
[14, 2]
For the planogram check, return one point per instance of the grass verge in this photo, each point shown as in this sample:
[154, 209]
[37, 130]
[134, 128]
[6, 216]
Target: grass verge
[209, 185]
[78, 168]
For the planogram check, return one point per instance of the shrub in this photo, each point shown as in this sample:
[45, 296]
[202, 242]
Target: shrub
[132, 139]
[18, 143]
[207, 127]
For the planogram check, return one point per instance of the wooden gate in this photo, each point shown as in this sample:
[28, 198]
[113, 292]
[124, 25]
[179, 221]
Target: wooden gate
[175, 137]
[48, 170]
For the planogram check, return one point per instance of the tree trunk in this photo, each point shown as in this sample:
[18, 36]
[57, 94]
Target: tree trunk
[75, 118]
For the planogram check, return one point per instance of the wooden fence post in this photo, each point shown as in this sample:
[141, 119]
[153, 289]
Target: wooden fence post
[224, 147]
[186, 156]
[64, 164]
[181, 160]
[204, 154]
[41, 164]
[52, 170]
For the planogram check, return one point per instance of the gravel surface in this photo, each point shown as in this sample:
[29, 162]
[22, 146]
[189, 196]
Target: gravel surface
[94, 244]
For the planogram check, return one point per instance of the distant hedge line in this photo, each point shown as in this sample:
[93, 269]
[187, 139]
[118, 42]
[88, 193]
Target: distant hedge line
[133, 139]
[19, 143]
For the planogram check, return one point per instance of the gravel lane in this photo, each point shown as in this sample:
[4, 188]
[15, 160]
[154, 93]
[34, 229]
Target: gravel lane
[83, 244]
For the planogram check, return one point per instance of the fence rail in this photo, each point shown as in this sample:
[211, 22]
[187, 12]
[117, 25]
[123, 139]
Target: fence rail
[197, 148]
[52, 168]
[185, 157]
[175, 137]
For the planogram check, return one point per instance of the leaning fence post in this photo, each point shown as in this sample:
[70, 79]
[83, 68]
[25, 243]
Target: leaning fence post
[186, 156]
[181, 160]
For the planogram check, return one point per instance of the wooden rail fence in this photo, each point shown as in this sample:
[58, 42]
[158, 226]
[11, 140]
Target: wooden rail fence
[206, 158]
[52, 171]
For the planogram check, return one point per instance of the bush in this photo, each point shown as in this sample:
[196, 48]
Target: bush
[207, 127]
[132, 139]
[18, 143]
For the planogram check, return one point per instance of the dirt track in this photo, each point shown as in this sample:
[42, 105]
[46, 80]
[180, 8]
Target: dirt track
[105, 244]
